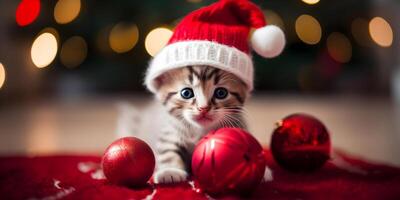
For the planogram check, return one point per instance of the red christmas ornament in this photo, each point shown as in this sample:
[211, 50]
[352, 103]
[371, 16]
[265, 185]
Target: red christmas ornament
[300, 143]
[228, 160]
[128, 161]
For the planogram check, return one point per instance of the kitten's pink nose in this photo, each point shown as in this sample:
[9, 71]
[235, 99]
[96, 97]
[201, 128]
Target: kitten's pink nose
[204, 109]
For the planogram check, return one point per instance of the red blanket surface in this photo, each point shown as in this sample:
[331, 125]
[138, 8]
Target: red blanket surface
[80, 177]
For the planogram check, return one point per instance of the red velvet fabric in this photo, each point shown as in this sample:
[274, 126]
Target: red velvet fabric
[71, 177]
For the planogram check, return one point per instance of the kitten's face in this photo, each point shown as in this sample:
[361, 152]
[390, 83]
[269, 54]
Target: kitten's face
[203, 96]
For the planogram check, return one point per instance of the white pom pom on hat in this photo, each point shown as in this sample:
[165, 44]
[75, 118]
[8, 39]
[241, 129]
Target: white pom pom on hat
[268, 41]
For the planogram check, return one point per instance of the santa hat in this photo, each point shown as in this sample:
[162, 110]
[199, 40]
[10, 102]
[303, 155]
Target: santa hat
[217, 36]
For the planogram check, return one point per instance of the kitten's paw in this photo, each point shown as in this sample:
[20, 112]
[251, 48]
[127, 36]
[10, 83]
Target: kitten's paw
[170, 175]
[267, 175]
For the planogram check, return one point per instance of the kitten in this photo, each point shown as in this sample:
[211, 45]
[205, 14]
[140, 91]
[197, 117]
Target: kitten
[197, 99]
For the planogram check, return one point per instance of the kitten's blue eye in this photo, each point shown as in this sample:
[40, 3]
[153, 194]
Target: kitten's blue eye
[220, 93]
[187, 93]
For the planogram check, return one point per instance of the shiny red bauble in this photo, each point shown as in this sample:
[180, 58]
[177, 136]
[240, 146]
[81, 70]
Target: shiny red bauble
[300, 143]
[228, 160]
[128, 161]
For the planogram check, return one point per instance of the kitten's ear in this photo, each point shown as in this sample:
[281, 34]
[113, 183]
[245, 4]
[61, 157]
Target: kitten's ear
[159, 81]
[159, 84]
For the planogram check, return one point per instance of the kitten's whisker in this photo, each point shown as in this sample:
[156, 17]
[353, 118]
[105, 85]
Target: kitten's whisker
[223, 123]
[232, 111]
[231, 121]
[239, 110]
[246, 114]
[236, 122]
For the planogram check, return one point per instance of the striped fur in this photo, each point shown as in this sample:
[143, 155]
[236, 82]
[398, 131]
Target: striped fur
[176, 142]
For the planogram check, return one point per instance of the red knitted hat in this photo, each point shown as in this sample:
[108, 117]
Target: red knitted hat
[217, 35]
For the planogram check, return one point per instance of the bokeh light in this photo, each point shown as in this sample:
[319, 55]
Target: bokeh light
[308, 29]
[273, 18]
[51, 30]
[73, 52]
[339, 47]
[123, 37]
[27, 11]
[66, 11]
[2, 75]
[311, 2]
[359, 30]
[44, 49]
[381, 32]
[157, 39]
